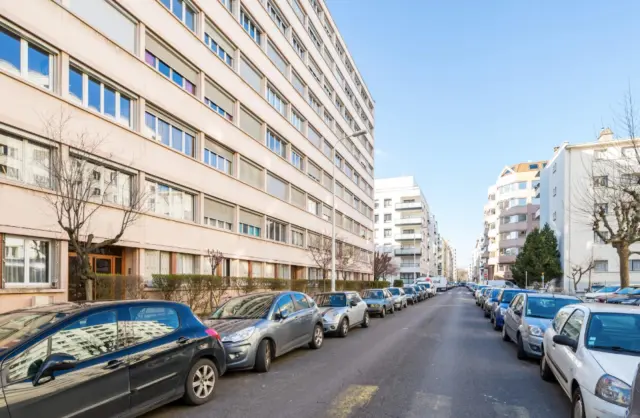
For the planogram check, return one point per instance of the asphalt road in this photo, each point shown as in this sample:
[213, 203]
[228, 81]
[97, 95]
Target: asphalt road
[439, 359]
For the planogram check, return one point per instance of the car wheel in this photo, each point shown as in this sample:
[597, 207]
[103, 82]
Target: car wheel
[522, 355]
[486, 314]
[343, 328]
[318, 337]
[577, 411]
[383, 313]
[264, 355]
[545, 372]
[201, 382]
[365, 321]
[496, 327]
[505, 336]
[392, 310]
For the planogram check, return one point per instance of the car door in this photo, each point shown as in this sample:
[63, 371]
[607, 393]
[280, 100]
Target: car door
[304, 313]
[159, 352]
[97, 386]
[388, 298]
[562, 357]
[510, 319]
[284, 329]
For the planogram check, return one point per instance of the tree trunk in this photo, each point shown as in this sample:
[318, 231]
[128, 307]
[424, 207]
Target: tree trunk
[623, 255]
[86, 274]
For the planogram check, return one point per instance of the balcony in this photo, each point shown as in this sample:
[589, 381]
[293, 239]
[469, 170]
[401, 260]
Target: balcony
[508, 243]
[515, 226]
[409, 267]
[408, 237]
[409, 205]
[414, 220]
[408, 251]
[515, 210]
[507, 259]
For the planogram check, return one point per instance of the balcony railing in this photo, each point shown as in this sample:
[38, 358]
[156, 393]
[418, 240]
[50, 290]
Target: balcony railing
[409, 221]
[404, 237]
[408, 205]
[408, 251]
[409, 264]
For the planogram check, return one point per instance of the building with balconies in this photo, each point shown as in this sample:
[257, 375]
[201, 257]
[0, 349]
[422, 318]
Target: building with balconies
[404, 227]
[509, 215]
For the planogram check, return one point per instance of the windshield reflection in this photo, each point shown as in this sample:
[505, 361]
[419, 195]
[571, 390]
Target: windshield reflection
[373, 294]
[547, 308]
[614, 332]
[335, 300]
[18, 326]
[245, 307]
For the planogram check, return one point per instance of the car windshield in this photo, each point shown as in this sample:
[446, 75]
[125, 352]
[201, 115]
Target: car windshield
[508, 295]
[608, 289]
[486, 291]
[547, 307]
[16, 327]
[333, 300]
[626, 290]
[245, 307]
[373, 294]
[395, 292]
[616, 332]
[427, 285]
[495, 293]
[408, 290]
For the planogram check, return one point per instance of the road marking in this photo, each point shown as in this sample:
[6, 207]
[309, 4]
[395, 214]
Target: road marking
[511, 411]
[430, 405]
[354, 397]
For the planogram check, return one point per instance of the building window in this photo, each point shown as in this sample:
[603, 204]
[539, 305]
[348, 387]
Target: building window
[26, 261]
[251, 75]
[629, 152]
[276, 231]
[217, 223]
[223, 54]
[600, 154]
[228, 4]
[387, 233]
[634, 265]
[296, 120]
[25, 59]
[276, 58]
[554, 168]
[554, 215]
[169, 201]
[327, 149]
[315, 104]
[299, 11]
[217, 161]
[298, 47]
[218, 109]
[182, 11]
[297, 160]
[218, 215]
[185, 264]
[387, 203]
[109, 19]
[601, 208]
[600, 181]
[105, 184]
[277, 18]
[601, 266]
[297, 238]
[555, 190]
[277, 187]
[169, 134]
[25, 161]
[387, 218]
[247, 229]
[313, 206]
[277, 145]
[276, 101]
[249, 25]
[601, 237]
[315, 37]
[170, 73]
[376, 219]
[96, 95]
[328, 119]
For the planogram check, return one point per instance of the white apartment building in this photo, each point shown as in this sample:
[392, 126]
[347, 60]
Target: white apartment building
[563, 187]
[405, 227]
[230, 114]
[477, 265]
[509, 215]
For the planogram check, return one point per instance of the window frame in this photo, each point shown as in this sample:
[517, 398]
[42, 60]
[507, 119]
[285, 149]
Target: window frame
[172, 125]
[249, 24]
[158, 183]
[27, 283]
[156, 66]
[25, 42]
[185, 5]
[24, 162]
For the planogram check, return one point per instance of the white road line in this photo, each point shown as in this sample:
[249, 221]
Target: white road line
[430, 405]
[510, 411]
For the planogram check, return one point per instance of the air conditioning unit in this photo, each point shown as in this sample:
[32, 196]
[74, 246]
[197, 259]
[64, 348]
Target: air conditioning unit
[41, 300]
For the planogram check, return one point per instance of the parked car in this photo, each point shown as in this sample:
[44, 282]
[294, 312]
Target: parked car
[528, 317]
[489, 300]
[480, 294]
[633, 294]
[593, 351]
[634, 403]
[379, 301]
[500, 307]
[431, 290]
[412, 295]
[399, 298]
[618, 293]
[258, 327]
[423, 291]
[603, 291]
[342, 311]
[106, 358]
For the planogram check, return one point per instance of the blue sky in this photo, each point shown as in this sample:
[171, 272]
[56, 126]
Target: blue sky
[465, 87]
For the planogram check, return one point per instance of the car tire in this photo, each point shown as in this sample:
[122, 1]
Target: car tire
[392, 310]
[343, 328]
[383, 313]
[317, 338]
[200, 385]
[486, 314]
[545, 371]
[264, 356]
[366, 320]
[496, 327]
[505, 336]
[577, 404]
[521, 354]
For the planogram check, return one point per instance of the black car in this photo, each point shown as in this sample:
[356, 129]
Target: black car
[104, 359]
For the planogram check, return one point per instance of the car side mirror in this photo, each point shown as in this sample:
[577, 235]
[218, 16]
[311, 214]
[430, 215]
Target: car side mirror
[353, 303]
[283, 314]
[517, 312]
[55, 362]
[566, 341]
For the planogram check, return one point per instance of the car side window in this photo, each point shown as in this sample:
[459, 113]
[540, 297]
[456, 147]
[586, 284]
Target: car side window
[150, 322]
[357, 297]
[88, 337]
[573, 325]
[514, 303]
[285, 303]
[560, 318]
[26, 364]
[300, 301]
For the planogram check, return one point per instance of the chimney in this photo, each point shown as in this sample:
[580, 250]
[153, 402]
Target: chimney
[606, 135]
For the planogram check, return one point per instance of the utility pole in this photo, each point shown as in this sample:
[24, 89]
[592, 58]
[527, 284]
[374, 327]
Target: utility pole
[542, 279]
[526, 280]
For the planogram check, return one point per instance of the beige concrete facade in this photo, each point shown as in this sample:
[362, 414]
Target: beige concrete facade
[261, 182]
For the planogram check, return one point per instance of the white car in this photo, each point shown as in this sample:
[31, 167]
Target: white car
[605, 291]
[431, 289]
[593, 351]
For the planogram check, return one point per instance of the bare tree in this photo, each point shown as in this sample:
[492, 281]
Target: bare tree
[216, 287]
[578, 271]
[383, 265]
[345, 258]
[215, 258]
[81, 190]
[319, 248]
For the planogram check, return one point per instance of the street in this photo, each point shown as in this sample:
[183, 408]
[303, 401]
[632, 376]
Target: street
[439, 359]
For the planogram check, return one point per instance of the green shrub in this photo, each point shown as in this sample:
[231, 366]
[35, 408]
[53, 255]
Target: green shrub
[398, 283]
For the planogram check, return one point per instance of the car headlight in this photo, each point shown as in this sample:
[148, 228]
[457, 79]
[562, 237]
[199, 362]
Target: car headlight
[238, 336]
[613, 390]
[503, 311]
[535, 331]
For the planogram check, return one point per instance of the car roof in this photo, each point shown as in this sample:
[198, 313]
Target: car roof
[551, 295]
[335, 292]
[72, 308]
[611, 308]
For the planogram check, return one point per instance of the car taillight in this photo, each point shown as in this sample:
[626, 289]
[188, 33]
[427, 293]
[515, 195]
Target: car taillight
[212, 333]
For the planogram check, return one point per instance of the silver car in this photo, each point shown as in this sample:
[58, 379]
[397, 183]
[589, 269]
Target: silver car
[342, 311]
[528, 317]
[399, 298]
[257, 328]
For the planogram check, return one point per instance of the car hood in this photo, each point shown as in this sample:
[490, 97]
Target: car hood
[541, 323]
[504, 305]
[369, 300]
[594, 295]
[229, 326]
[329, 309]
[622, 366]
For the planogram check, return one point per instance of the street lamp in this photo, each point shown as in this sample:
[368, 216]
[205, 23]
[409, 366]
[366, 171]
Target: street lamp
[333, 210]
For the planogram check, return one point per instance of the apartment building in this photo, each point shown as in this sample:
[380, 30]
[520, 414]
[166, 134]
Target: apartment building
[231, 116]
[509, 215]
[404, 227]
[448, 260]
[476, 267]
[564, 193]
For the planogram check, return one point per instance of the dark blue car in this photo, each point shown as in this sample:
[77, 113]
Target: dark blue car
[502, 304]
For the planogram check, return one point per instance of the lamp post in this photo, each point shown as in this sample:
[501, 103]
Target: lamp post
[333, 205]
